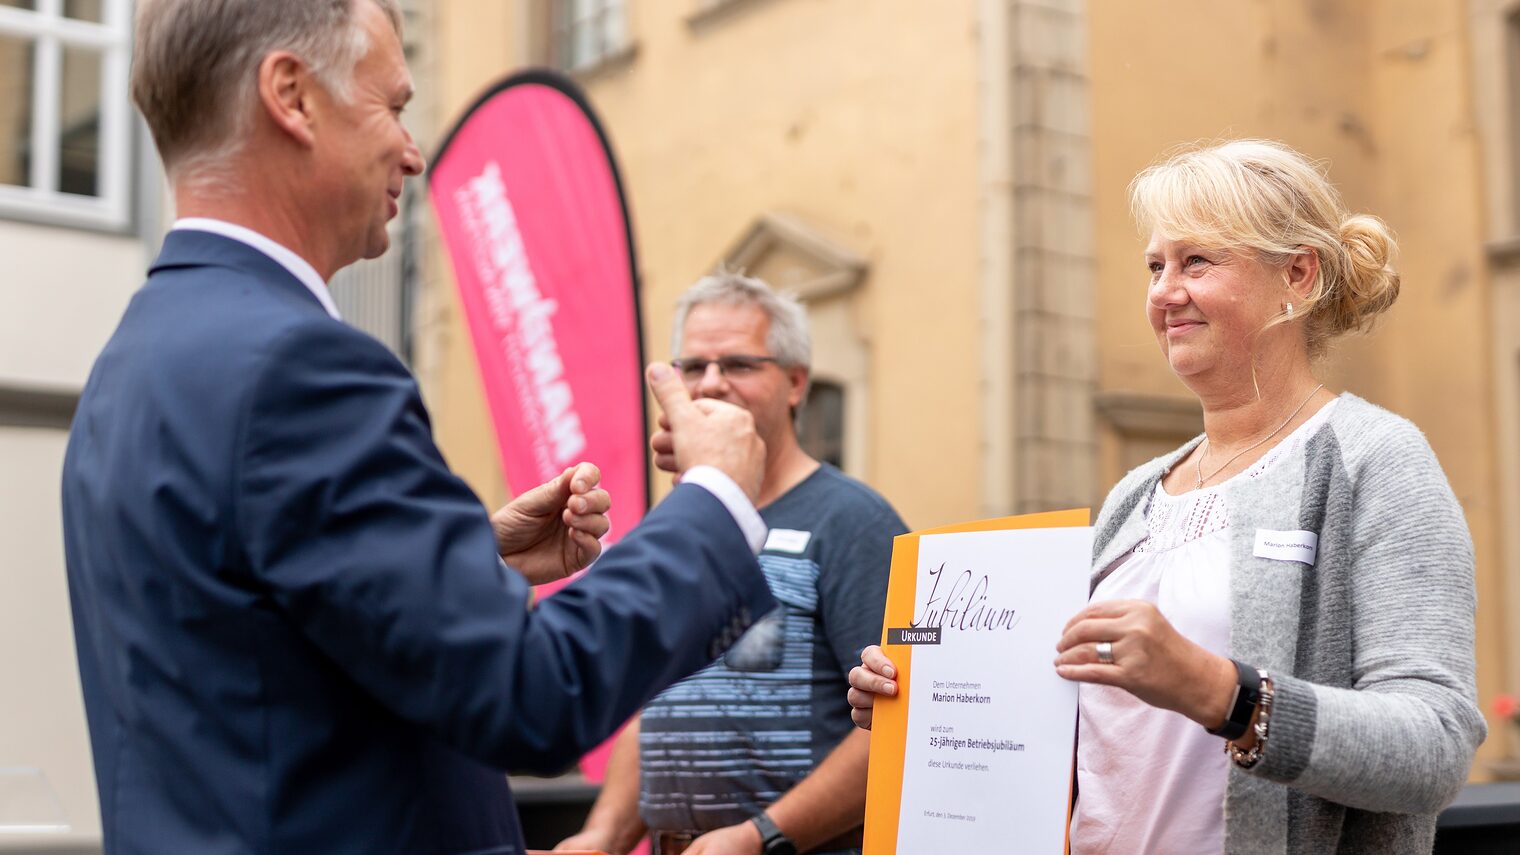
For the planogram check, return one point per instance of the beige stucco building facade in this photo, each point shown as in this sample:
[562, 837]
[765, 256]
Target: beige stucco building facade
[61, 297]
[946, 185]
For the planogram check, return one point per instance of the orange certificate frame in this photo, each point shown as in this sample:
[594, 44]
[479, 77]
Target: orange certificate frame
[889, 740]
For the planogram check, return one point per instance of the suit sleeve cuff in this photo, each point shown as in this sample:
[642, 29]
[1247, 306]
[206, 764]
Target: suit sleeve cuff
[712, 479]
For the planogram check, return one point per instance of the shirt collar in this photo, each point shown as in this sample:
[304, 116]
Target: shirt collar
[298, 267]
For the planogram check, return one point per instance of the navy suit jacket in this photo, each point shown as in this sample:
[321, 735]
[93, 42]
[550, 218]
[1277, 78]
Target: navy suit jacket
[294, 633]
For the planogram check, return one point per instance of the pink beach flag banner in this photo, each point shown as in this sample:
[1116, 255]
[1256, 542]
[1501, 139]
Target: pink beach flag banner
[531, 209]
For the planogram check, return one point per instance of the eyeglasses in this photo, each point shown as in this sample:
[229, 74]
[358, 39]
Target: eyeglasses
[732, 367]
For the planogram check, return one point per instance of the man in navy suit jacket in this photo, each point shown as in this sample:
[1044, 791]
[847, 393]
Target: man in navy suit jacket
[295, 634]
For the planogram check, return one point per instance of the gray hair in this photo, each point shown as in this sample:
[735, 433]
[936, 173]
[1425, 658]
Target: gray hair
[195, 67]
[787, 336]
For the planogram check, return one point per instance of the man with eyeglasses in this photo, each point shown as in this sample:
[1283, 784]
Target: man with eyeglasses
[755, 753]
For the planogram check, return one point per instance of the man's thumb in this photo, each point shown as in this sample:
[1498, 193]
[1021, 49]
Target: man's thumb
[670, 392]
[552, 492]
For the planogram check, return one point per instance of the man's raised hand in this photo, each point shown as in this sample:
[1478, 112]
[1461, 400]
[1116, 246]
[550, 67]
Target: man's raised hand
[705, 432]
[554, 529]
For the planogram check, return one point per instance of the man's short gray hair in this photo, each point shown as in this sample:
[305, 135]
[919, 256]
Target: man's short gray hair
[787, 337]
[195, 66]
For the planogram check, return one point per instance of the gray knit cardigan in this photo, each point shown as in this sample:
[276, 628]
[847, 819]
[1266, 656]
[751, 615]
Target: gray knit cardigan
[1375, 721]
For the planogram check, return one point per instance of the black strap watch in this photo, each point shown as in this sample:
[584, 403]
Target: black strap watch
[772, 841]
[1247, 696]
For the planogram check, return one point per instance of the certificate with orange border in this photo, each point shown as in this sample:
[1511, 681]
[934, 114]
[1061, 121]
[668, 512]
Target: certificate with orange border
[975, 752]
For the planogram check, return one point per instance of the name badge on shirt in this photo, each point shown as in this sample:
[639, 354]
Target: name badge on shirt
[787, 540]
[1300, 546]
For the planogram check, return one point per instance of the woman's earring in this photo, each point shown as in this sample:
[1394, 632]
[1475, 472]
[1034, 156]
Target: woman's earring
[1290, 311]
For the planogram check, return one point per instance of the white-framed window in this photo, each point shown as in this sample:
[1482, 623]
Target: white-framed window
[65, 122]
[587, 33]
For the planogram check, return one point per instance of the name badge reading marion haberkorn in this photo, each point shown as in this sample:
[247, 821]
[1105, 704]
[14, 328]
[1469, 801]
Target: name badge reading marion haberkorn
[1300, 546]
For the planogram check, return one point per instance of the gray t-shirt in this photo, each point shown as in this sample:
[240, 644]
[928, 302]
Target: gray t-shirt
[723, 744]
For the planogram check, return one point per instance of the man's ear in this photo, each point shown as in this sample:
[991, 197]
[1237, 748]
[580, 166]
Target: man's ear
[286, 87]
[799, 376]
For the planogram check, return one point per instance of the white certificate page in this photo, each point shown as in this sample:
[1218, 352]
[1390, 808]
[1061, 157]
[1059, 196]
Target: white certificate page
[990, 727]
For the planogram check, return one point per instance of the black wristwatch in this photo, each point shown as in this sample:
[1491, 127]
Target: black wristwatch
[772, 841]
[1247, 696]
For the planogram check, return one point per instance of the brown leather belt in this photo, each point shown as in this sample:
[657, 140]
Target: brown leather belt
[671, 842]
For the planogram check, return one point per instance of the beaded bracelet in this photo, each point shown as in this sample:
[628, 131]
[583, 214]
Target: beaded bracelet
[1246, 759]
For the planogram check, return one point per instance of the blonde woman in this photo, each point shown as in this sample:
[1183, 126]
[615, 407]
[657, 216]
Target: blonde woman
[1278, 652]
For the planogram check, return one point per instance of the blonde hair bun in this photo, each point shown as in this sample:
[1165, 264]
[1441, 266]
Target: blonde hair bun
[1369, 284]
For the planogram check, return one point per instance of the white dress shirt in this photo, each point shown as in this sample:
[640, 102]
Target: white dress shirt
[713, 480]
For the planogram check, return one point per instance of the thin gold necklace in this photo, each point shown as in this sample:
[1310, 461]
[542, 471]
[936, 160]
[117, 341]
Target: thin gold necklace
[1205, 451]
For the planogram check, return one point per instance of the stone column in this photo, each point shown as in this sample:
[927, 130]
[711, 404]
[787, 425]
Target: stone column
[1040, 366]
